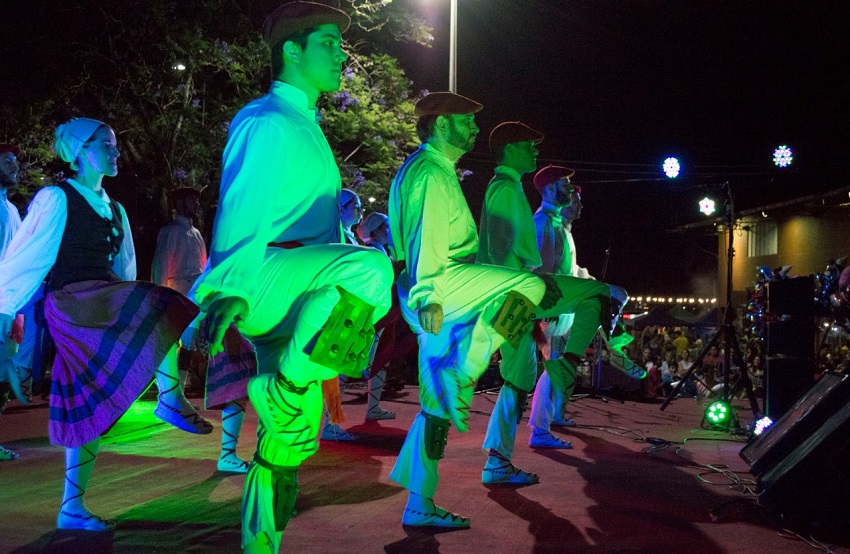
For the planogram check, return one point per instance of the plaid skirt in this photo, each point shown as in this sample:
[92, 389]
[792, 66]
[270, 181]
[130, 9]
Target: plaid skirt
[110, 340]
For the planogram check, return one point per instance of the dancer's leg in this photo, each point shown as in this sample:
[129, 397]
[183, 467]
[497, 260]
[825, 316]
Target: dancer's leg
[376, 390]
[173, 407]
[232, 417]
[519, 370]
[73, 514]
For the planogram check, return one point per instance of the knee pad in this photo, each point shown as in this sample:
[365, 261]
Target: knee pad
[552, 294]
[343, 344]
[285, 490]
[514, 317]
[521, 400]
[436, 436]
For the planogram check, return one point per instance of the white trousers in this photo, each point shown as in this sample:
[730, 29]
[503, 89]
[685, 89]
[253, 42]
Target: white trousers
[297, 292]
[452, 361]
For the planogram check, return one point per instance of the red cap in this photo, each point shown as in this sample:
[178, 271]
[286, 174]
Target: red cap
[550, 174]
[10, 148]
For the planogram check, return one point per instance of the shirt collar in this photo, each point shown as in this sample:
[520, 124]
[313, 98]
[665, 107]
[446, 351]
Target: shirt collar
[509, 172]
[296, 96]
[550, 209]
[438, 157]
[89, 192]
[183, 220]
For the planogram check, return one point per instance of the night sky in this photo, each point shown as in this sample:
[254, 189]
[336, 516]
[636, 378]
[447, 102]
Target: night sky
[617, 86]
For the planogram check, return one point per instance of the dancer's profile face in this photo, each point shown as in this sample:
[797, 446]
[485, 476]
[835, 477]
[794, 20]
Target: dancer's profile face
[462, 131]
[321, 60]
[525, 155]
[352, 212]
[572, 211]
[100, 152]
[9, 169]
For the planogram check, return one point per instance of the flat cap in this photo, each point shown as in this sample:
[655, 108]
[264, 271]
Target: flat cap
[10, 148]
[550, 174]
[513, 131]
[443, 103]
[297, 16]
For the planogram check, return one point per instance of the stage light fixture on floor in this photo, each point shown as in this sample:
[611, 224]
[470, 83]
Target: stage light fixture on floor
[718, 414]
[762, 425]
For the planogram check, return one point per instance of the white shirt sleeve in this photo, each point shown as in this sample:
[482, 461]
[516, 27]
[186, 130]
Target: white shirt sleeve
[124, 264]
[33, 249]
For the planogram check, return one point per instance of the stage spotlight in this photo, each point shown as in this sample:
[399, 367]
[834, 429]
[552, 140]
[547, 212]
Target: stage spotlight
[761, 425]
[706, 206]
[718, 413]
[671, 167]
[783, 156]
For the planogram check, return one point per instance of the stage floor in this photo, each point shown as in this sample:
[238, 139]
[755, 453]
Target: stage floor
[614, 492]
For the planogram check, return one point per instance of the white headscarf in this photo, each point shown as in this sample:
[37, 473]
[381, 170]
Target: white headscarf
[71, 136]
[369, 224]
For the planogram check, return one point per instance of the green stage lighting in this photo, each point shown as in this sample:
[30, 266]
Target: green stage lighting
[718, 413]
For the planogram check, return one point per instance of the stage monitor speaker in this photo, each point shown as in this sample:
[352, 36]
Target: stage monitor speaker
[785, 379]
[794, 337]
[812, 483]
[803, 420]
[792, 297]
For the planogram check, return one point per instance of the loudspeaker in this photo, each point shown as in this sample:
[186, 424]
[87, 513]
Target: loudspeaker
[813, 482]
[791, 297]
[785, 379]
[802, 420]
[794, 338]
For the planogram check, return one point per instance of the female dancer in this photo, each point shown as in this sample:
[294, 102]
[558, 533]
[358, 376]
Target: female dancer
[112, 334]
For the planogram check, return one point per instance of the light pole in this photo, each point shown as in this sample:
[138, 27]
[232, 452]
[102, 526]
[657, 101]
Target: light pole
[453, 47]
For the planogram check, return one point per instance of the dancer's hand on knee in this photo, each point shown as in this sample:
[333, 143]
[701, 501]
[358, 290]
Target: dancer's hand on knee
[220, 315]
[431, 318]
[17, 333]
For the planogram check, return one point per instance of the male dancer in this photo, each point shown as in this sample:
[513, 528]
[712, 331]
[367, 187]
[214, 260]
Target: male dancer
[547, 404]
[180, 253]
[508, 240]
[17, 358]
[178, 260]
[461, 311]
[10, 221]
[277, 267]
[561, 205]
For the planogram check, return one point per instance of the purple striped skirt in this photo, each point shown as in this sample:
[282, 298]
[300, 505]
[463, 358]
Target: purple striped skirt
[110, 339]
[228, 372]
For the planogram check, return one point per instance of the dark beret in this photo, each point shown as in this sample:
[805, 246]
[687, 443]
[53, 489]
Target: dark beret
[513, 131]
[550, 174]
[443, 103]
[182, 193]
[297, 16]
[10, 148]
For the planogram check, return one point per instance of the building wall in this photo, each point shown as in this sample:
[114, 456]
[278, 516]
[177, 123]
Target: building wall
[804, 242]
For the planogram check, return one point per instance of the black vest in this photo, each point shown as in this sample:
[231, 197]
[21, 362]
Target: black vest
[89, 243]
